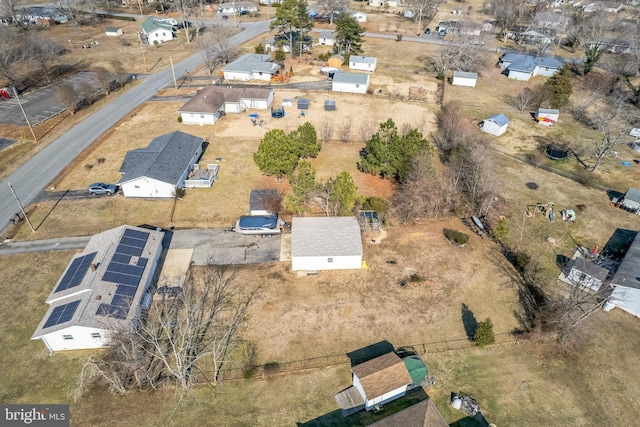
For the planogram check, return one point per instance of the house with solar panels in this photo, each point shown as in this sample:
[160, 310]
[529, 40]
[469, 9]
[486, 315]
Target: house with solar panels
[103, 289]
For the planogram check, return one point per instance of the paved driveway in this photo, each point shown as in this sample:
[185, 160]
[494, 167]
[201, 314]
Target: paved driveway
[220, 246]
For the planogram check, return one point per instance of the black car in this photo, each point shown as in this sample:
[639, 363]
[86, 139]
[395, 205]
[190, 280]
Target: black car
[427, 31]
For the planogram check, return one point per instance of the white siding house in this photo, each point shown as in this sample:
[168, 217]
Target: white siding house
[212, 102]
[461, 78]
[522, 67]
[325, 243]
[363, 63]
[327, 38]
[157, 32]
[104, 288]
[251, 66]
[157, 170]
[350, 82]
[626, 282]
[495, 125]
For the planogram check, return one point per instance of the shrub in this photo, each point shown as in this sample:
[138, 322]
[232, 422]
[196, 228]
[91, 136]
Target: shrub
[248, 374]
[456, 236]
[259, 49]
[502, 231]
[179, 119]
[324, 56]
[88, 166]
[521, 261]
[279, 55]
[101, 160]
[271, 366]
[484, 333]
[415, 278]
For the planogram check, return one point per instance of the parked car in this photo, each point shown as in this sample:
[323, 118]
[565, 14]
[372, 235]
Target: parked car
[99, 188]
[427, 31]
[442, 32]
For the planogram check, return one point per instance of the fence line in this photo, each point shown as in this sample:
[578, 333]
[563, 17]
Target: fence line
[319, 362]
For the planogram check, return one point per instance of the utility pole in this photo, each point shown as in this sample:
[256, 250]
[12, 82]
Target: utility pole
[144, 58]
[15, 91]
[21, 208]
[173, 73]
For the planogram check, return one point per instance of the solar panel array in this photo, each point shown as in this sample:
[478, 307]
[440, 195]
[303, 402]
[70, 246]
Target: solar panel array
[76, 272]
[61, 314]
[126, 275]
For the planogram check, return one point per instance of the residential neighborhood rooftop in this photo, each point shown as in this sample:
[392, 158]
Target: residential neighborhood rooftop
[325, 236]
[353, 78]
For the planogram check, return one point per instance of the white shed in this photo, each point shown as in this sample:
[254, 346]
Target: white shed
[547, 116]
[350, 82]
[585, 273]
[325, 243]
[495, 125]
[631, 200]
[113, 32]
[461, 78]
[363, 63]
[157, 170]
[104, 288]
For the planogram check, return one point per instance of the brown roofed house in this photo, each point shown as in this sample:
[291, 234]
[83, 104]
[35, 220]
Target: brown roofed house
[212, 102]
[422, 414]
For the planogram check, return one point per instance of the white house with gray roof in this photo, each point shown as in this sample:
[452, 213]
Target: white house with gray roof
[251, 66]
[157, 32]
[522, 67]
[325, 243]
[103, 289]
[350, 82]
[327, 37]
[157, 170]
[363, 63]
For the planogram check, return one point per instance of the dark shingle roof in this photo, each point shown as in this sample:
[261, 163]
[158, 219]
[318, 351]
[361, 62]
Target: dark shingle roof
[628, 274]
[422, 414]
[166, 158]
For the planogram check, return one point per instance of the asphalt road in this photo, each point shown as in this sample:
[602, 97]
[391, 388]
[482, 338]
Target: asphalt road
[31, 178]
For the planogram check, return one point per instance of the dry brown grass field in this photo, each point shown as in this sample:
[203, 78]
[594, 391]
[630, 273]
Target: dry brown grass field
[591, 381]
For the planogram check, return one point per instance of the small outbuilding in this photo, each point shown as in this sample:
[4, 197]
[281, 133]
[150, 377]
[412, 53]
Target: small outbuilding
[303, 103]
[350, 82]
[329, 105]
[631, 200]
[113, 32]
[287, 102]
[359, 16]
[325, 243]
[363, 63]
[547, 116]
[327, 37]
[495, 125]
[462, 78]
[585, 273]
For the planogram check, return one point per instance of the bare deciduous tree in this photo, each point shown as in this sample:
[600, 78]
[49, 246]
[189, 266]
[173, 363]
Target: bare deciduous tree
[521, 101]
[326, 129]
[215, 46]
[330, 7]
[344, 130]
[43, 50]
[460, 54]
[104, 78]
[9, 9]
[180, 338]
[66, 94]
[367, 128]
[119, 72]
[603, 147]
[86, 92]
[11, 54]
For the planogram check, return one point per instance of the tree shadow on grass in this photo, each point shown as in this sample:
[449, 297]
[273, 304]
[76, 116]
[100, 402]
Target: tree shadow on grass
[469, 321]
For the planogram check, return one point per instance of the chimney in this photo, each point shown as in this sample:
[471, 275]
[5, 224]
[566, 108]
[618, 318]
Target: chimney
[98, 297]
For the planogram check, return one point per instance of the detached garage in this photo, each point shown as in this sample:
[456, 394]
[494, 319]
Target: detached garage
[325, 243]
